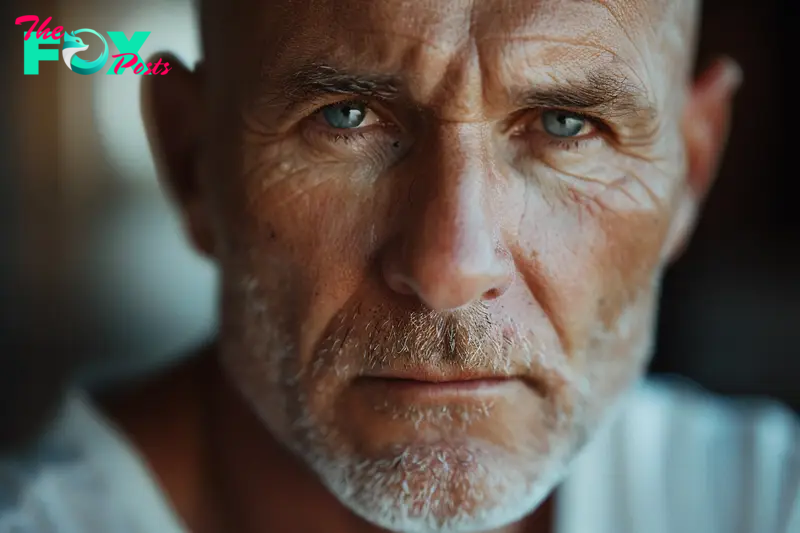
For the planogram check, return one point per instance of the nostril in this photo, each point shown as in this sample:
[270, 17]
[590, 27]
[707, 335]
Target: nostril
[399, 284]
[492, 294]
[500, 286]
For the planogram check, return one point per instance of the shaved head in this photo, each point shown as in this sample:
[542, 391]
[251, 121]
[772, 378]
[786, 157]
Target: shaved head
[400, 194]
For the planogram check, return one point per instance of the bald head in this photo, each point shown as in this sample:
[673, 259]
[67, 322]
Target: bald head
[438, 191]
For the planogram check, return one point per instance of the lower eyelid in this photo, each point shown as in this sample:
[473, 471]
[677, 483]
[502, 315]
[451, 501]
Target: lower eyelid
[317, 119]
[541, 140]
[374, 129]
[348, 139]
[570, 143]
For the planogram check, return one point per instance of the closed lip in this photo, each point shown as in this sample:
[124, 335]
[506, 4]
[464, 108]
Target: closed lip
[438, 376]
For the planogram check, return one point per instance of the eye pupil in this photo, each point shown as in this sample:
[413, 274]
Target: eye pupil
[344, 115]
[562, 123]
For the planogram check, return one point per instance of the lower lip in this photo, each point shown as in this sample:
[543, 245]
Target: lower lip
[434, 389]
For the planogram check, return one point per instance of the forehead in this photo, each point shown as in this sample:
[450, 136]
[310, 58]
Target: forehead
[341, 27]
[435, 42]
[455, 20]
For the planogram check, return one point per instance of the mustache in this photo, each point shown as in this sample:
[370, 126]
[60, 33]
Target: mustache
[383, 337]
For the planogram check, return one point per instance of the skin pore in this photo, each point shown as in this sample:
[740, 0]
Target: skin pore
[431, 192]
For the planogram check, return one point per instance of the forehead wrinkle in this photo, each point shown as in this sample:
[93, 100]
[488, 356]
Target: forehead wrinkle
[281, 20]
[433, 48]
[557, 54]
[561, 73]
[424, 23]
[623, 18]
[570, 17]
[585, 29]
[663, 35]
[631, 14]
[438, 28]
[626, 28]
[420, 42]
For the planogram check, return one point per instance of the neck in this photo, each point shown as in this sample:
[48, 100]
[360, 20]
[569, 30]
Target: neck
[263, 487]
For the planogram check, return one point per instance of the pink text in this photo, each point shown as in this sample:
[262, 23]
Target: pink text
[151, 69]
[43, 32]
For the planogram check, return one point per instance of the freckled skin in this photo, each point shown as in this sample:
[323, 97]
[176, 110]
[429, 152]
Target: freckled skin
[450, 232]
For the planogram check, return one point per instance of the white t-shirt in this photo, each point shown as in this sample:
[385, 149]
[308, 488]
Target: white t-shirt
[675, 460]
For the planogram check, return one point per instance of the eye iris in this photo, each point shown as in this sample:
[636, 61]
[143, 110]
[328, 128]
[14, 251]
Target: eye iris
[344, 115]
[562, 124]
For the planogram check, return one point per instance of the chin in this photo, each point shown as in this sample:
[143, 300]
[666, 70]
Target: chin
[444, 487]
[455, 465]
[419, 459]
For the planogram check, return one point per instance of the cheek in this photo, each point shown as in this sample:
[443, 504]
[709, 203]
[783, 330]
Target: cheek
[305, 231]
[587, 251]
[630, 263]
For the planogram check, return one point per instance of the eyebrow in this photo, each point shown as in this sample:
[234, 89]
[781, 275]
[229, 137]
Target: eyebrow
[604, 93]
[317, 79]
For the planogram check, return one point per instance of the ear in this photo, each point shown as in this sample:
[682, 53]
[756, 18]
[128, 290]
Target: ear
[172, 106]
[705, 123]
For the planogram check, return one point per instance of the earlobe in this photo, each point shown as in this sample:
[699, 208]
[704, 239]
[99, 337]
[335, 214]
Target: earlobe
[172, 107]
[705, 121]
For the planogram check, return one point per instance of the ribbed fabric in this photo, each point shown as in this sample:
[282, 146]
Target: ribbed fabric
[679, 460]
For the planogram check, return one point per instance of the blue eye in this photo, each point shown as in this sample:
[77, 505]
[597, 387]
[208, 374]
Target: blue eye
[345, 115]
[562, 123]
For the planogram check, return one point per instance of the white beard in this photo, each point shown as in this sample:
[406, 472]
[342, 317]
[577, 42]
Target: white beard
[502, 487]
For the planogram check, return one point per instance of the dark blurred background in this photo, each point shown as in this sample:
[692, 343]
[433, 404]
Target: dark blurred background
[730, 316]
[97, 284]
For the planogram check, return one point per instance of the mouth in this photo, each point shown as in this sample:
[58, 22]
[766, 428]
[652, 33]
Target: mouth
[438, 376]
[436, 384]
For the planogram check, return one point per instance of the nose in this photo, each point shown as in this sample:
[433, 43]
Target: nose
[449, 252]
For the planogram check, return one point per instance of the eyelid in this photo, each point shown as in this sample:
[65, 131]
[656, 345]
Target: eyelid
[385, 119]
[530, 121]
[588, 124]
[380, 133]
[371, 118]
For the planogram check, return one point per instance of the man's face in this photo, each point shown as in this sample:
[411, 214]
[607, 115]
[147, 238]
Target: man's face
[404, 193]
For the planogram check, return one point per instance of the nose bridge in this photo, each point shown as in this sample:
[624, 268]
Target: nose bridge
[449, 251]
[453, 209]
[459, 97]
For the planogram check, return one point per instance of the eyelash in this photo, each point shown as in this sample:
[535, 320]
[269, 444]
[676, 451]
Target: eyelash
[570, 143]
[342, 137]
[346, 138]
[351, 137]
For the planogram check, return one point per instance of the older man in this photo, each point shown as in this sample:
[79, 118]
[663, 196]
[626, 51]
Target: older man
[441, 228]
